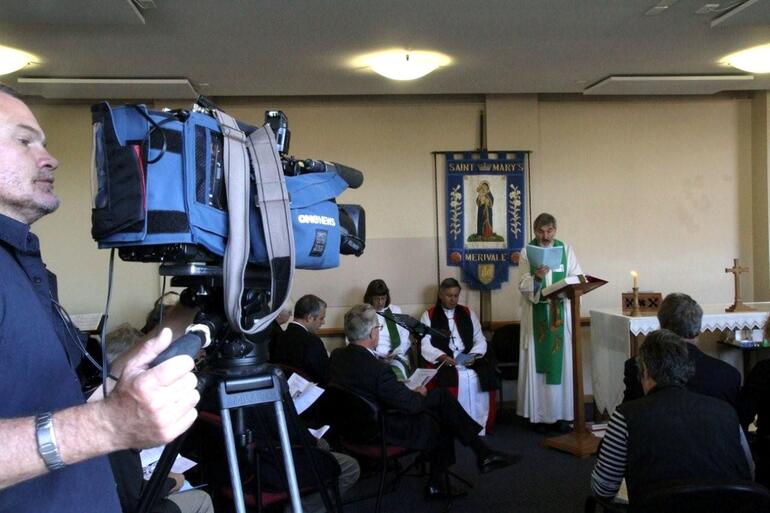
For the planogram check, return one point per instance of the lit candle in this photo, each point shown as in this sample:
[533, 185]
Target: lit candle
[635, 276]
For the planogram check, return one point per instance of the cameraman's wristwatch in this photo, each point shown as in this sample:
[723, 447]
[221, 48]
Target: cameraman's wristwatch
[46, 442]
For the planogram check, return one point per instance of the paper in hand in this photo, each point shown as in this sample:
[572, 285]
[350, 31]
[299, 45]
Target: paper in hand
[539, 257]
[150, 457]
[303, 392]
[420, 378]
[465, 360]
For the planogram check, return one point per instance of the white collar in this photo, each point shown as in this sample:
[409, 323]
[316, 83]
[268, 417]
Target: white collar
[300, 325]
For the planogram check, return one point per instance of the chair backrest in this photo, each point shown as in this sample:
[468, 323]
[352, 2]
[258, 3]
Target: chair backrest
[505, 346]
[350, 415]
[691, 496]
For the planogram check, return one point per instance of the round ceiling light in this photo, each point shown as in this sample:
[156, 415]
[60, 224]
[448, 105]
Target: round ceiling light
[403, 64]
[12, 59]
[752, 60]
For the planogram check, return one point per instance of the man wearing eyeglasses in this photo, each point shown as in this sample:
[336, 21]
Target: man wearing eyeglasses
[428, 421]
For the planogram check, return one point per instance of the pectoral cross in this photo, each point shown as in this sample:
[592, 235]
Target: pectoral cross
[737, 305]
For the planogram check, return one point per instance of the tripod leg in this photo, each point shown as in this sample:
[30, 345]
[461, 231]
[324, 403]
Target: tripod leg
[151, 492]
[288, 458]
[232, 461]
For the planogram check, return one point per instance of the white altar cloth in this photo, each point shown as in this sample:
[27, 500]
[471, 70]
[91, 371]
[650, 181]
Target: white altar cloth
[610, 343]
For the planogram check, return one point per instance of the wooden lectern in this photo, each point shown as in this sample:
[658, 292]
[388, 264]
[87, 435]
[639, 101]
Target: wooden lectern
[580, 441]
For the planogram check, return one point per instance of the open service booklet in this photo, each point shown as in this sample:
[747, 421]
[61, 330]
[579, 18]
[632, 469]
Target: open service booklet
[556, 287]
[420, 378]
[303, 392]
[539, 256]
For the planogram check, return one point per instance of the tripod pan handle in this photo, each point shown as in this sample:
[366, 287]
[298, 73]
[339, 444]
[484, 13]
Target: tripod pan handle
[189, 344]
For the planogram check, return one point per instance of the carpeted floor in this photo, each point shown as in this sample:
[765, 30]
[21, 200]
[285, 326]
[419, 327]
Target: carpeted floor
[545, 481]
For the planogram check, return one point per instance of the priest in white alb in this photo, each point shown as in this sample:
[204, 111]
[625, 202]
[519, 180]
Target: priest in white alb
[545, 352]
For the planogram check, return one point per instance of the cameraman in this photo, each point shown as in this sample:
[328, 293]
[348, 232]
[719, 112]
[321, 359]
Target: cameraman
[54, 444]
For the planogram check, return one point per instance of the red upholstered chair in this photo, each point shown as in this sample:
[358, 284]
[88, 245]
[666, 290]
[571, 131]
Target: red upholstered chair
[359, 426]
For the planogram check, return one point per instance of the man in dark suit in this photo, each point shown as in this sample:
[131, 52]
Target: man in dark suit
[429, 421]
[713, 377]
[299, 346]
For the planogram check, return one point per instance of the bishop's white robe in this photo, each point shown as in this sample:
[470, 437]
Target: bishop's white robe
[537, 401]
[469, 394]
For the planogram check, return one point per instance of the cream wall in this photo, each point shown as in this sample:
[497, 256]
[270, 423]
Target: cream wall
[662, 186]
[760, 129]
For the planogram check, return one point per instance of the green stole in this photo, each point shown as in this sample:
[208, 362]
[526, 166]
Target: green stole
[549, 339]
[395, 338]
[395, 341]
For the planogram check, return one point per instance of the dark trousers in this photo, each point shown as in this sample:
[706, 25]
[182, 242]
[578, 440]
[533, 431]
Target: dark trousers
[450, 421]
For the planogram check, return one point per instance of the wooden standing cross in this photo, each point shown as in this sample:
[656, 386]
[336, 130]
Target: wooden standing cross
[737, 305]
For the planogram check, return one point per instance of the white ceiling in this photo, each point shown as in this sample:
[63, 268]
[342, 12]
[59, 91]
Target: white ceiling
[301, 47]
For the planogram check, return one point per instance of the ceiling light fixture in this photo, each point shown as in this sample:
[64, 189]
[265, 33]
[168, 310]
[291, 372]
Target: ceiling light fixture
[403, 64]
[12, 59]
[753, 60]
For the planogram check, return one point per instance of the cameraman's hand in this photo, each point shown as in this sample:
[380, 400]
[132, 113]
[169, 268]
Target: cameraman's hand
[152, 406]
[177, 318]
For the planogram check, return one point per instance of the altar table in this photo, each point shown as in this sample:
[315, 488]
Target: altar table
[615, 337]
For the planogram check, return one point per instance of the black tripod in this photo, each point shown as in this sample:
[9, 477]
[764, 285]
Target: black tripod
[241, 379]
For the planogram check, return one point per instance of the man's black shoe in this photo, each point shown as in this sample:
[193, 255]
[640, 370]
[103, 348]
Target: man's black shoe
[539, 428]
[497, 460]
[562, 426]
[442, 492]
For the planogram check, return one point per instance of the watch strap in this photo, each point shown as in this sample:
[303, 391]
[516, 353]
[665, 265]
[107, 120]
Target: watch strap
[46, 442]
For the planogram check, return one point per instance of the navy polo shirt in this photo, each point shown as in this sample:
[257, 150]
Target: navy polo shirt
[37, 362]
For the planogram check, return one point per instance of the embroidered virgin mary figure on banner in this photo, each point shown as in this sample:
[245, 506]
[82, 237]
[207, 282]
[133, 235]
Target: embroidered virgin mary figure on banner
[485, 211]
[484, 215]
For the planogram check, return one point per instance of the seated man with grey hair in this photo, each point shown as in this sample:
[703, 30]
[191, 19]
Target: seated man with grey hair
[428, 421]
[681, 314]
[671, 433]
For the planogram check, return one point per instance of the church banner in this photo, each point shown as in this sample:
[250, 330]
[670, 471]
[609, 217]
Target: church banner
[485, 214]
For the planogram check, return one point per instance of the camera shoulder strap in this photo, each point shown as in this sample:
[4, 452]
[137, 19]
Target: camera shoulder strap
[273, 203]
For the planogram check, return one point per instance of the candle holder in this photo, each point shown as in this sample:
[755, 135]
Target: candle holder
[635, 312]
